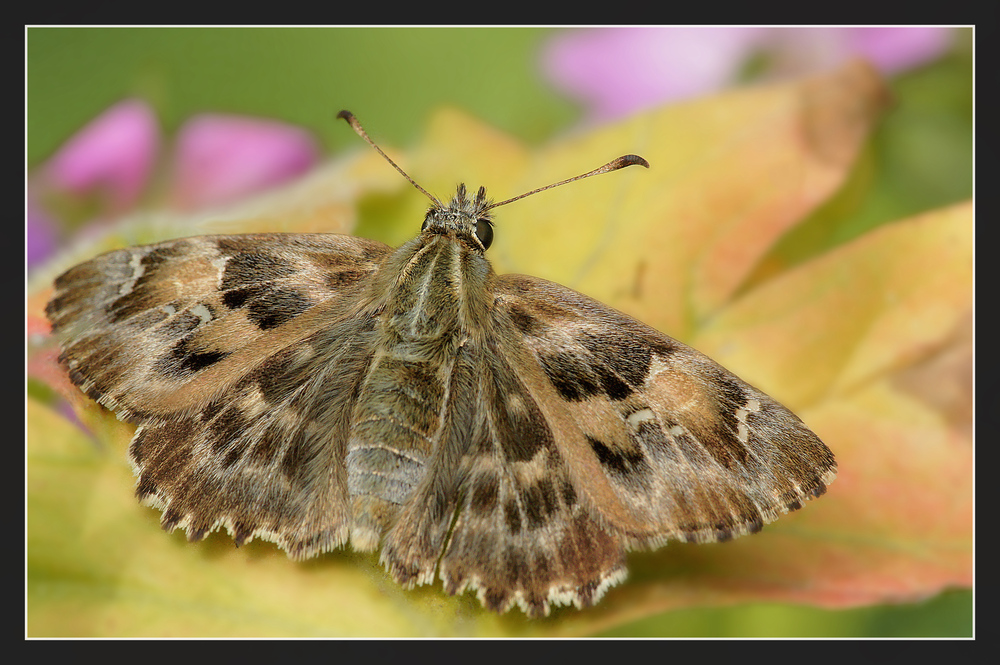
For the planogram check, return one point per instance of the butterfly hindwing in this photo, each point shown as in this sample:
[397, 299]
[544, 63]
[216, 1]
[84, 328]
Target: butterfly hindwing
[498, 512]
[266, 458]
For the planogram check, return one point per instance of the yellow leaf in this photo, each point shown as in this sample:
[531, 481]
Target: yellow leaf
[729, 175]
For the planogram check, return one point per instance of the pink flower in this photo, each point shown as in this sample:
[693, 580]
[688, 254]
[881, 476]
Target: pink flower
[897, 49]
[222, 158]
[218, 159]
[797, 51]
[114, 154]
[617, 71]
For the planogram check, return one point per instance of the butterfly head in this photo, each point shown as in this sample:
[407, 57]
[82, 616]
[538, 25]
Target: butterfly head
[468, 218]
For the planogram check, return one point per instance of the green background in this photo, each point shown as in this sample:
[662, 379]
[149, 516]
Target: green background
[390, 78]
[393, 78]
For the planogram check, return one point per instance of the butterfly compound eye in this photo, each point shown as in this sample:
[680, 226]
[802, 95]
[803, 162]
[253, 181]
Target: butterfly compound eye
[484, 231]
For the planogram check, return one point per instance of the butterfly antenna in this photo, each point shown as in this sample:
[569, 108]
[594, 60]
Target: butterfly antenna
[614, 165]
[360, 131]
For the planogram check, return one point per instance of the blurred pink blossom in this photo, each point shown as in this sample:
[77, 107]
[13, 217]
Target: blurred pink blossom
[114, 153]
[898, 49]
[222, 158]
[218, 159]
[616, 71]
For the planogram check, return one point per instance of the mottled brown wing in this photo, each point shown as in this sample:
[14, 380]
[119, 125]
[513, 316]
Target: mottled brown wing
[498, 511]
[660, 442]
[238, 356]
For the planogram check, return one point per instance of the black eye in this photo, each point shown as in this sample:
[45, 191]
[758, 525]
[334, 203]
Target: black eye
[484, 231]
[423, 227]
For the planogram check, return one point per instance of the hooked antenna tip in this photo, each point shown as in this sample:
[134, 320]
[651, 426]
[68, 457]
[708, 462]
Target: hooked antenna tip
[621, 162]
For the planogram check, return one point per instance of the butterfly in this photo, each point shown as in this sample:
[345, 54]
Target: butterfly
[503, 433]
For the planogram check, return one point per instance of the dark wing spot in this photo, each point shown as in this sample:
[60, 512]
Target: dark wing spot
[236, 298]
[195, 362]
[184, 359]
[495, 599]
[146, 486]
[625, 355]
[276, 307]
[531, 499]
[485, 492]
[818, 490]
[568, 494]
[612, 385]
[265, 450]
[791, 501]
[236, 451]
[652, 439]
[616, 366]
[179, 325]
[293, 464]
[539, 503]
[525, 322]
[523, 431]
[213, 409]
[512, 515]
[522, 435]
[278, 376]
[720, 441]
[171, 518]
[197, 530]
[345, 278]
[570, 376]
[548, 495]
[730, 397]
[629, 466]
[244, 268]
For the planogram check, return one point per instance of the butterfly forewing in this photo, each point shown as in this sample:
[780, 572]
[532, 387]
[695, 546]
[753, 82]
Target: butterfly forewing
[239, 356]
[149, 331]
[662, 441]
